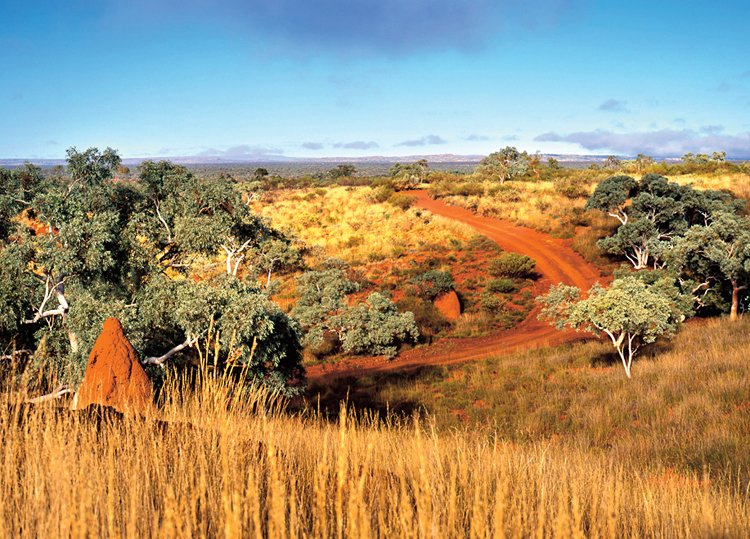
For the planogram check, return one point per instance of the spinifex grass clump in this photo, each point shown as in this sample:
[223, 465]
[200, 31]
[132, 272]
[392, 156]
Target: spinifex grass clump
[233, 463]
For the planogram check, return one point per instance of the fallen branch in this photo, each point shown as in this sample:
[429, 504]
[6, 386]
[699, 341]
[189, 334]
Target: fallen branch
[56, 394]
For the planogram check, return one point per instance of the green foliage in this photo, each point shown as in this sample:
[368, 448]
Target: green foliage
[632, 312]
[428, 319]
[501, 286]
[506, 164]
[408, 176]
[322, 293]
[401, 201]
[91, 166]
[611, 195]
[374, 327]
[659, 212]
[382, 193]
[432, 283]
[342, 171]
[254, 331]
[101, 248]
[16, 284]
[491, 304]
[716, 257]
[512, 265]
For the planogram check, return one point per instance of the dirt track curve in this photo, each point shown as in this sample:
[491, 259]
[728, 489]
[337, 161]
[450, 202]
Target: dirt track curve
[556, 262]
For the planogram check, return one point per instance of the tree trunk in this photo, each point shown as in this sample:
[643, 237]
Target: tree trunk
[735, 300]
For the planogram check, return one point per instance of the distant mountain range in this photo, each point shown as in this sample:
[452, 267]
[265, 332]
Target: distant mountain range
[281, 159]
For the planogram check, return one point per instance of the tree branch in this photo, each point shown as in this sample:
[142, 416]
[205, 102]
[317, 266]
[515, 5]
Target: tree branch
[163, 222]
[190, 341]
[56, 394]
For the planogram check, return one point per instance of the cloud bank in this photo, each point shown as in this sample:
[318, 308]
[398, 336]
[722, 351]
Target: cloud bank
[613, 105]
[428, 140]
[357, 145]
[663, 143]
[390, 26]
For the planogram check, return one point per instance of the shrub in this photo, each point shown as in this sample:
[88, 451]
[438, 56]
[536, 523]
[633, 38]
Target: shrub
[501, 286]
[491, 304]
[429, 320]
[431, 284]
[512, 265]
[374, 327]
[482, 243]
[382, 193]
[401, 200]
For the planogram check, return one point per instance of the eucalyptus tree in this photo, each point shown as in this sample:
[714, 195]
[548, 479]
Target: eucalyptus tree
[716, 256]
[410, 175]
[631, 312]
[89, 247]
[653, 213]
[611, 196]
[506, 164]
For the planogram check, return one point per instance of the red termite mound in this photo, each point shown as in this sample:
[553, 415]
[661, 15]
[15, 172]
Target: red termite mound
[114, 376]
[449, 305]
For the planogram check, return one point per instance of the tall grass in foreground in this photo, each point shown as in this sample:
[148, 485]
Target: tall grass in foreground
[231, 465]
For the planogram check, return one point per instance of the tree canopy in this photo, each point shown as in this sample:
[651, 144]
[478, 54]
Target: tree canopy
[77, 248]
[653, 213]
[632, 312]
[372, 327]
[506, 164]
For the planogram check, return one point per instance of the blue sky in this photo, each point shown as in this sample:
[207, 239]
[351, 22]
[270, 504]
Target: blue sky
[344, 78]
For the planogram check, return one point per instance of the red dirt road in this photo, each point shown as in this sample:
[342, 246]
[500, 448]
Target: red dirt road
[556, 262]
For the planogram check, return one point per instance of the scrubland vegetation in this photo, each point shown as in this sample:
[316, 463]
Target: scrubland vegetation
[550, 442]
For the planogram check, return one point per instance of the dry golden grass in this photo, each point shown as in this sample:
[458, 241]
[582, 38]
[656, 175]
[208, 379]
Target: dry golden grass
[736, 183]
[247, 468]
[343, 222]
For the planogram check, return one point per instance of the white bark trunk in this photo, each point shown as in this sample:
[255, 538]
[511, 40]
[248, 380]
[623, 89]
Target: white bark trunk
[161, 359]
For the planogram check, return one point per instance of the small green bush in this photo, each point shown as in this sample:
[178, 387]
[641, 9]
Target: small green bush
[501, 286]
[491, 304]
[512, 265]
[429, 320]
[482, 243]
[431, 284]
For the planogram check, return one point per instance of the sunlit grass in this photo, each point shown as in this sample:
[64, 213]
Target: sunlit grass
[235, 464]
[343, 222]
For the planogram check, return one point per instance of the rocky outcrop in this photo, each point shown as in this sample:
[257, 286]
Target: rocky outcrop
[114, 376]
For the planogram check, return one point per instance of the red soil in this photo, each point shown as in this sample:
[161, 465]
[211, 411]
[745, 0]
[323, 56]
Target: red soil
[114, 376]
[556, 262]
[448, 305]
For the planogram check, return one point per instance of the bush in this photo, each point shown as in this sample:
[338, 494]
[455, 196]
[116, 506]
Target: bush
[482, 243]
[374, 327]
[401, 201]
[501, 286]
[382, 193]
[572, 188]
[491, 304]
[431, 284]
[512, 265]
[429, 320]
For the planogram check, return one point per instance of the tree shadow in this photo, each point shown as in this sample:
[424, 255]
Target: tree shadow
[649, 353]
[364, 396]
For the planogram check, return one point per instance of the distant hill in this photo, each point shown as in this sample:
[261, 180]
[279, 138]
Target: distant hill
[373, 159]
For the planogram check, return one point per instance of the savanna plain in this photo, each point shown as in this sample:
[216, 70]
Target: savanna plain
[521, 349]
